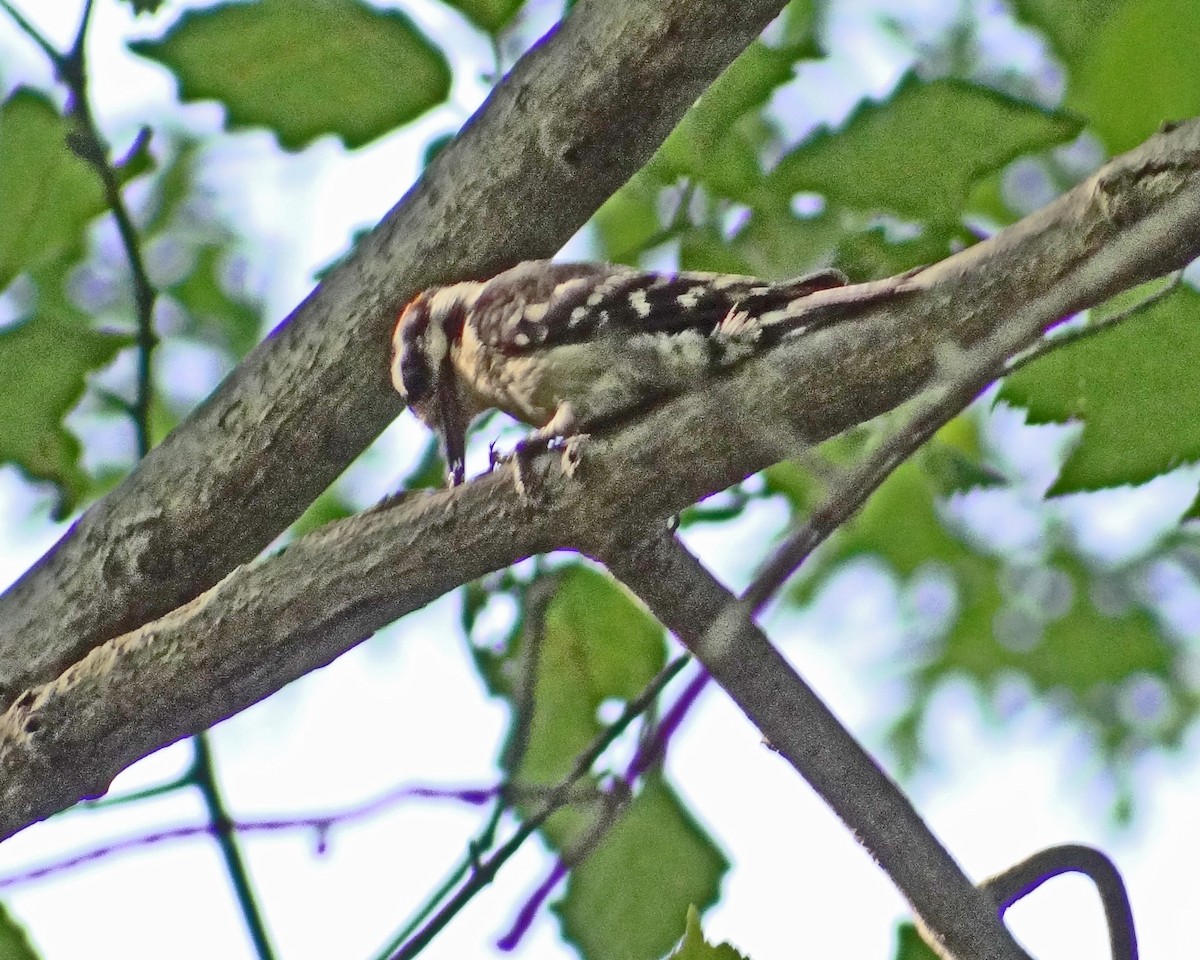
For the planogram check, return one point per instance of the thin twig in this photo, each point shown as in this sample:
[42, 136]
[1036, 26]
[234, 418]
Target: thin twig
[483, 841]
[535, 597]
[1091, 328]
[1022, 879]
[320, 823]
[486, 871]
[106, 802]
[654, 747]
[650, 753]
[203, 775]
[856, 487]
[936, 406]
[941, 401]
[612, 803]
[532, 905]
[87, 141]
[33, 34]
[711, 623]
[91, 146]
[534, 600]
[497, 61]
[95, 150]
[85, 19]
[939, 404]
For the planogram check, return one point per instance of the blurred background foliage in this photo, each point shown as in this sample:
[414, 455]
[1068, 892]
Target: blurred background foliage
[1040, 550]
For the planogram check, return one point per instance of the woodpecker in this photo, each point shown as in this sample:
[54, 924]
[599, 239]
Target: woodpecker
[568, 347]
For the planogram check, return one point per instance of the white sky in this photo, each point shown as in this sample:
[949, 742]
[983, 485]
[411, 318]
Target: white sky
[800, 885]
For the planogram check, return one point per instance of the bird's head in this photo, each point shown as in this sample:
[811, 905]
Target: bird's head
[422, 372]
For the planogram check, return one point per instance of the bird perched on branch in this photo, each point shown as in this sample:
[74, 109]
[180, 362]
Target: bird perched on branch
[568, 347]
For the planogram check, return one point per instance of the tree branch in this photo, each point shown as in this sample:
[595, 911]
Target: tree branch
[1020, 880]
[86, 140]
[693, 605]
[555, 799]
[266, 624]
[577, 116]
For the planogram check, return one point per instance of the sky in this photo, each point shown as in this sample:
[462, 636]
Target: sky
[800, 884]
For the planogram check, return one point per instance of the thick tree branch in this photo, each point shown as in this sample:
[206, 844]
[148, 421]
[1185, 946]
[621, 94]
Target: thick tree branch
[691, 603]
[267, 624]
[719, 629]
[578, 115]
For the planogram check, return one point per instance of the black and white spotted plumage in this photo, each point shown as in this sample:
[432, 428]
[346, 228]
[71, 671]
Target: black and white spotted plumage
[567, 347]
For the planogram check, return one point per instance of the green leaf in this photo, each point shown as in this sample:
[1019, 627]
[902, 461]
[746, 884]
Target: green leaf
[1130, 65]
[597, 643]
[800, 483]
[1075, 635]
[1142, 69]
[910, 946]
[305, 68]
[899, 523]
[231, 321]
[44, 361]
[14, 942]
[1136, 387]
[1082, 638]
[703, 248]
[875, 251]
[742, 89]
[173, 188]
[1069, 25]
[797, 23]
[954, 460]
[989, 200]
[719, 141]
[179, 216]
[1062, 642]
[581, 640]
[47, 193]
[628, 222]
[776, 243]
[918, 153]
[145, 6]
[1089, 648]
[629, 898]
[329, 506]
[491, 16]
[429, 473]
[695, 947]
